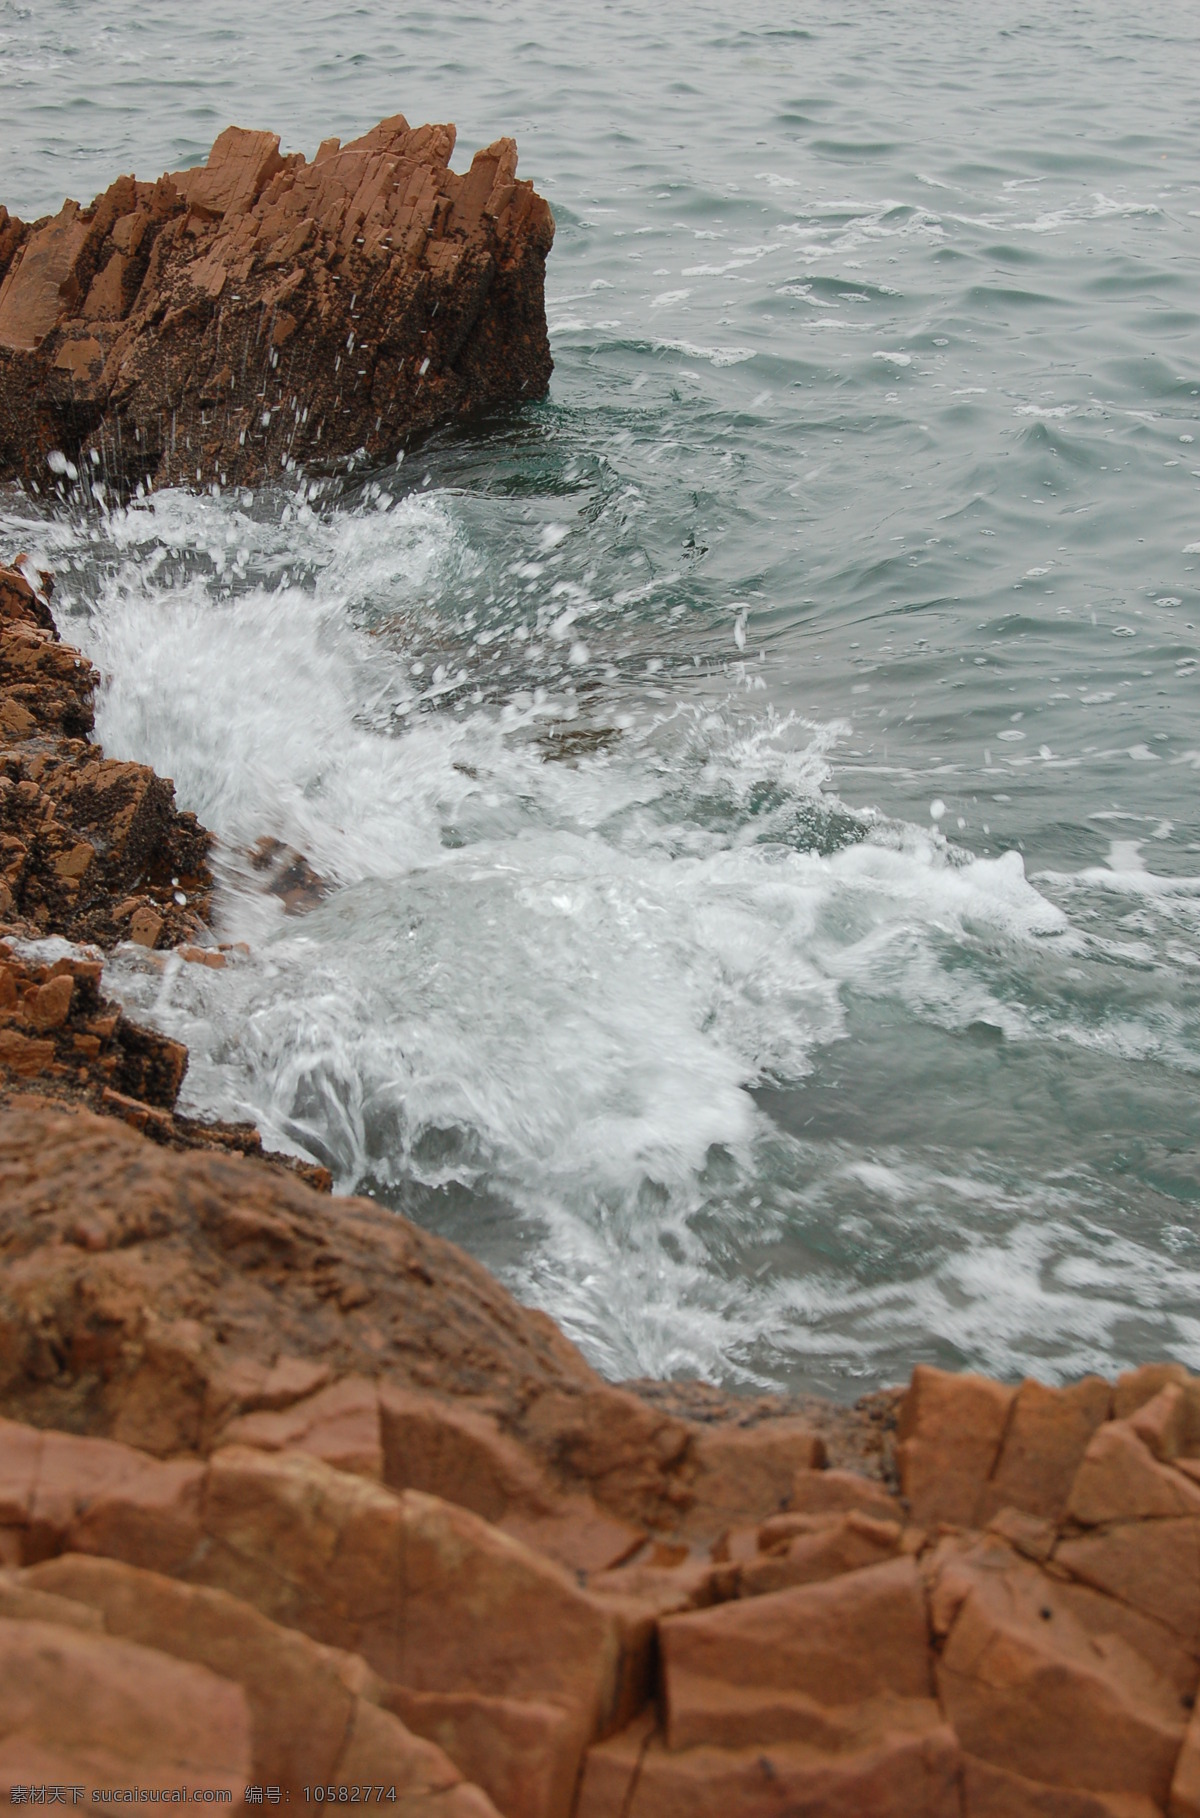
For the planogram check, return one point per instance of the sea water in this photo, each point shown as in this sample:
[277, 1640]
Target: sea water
[756, 787]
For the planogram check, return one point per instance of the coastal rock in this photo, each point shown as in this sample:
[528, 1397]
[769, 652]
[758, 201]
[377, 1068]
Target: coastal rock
[261, 312]
[90, 848]
[91, 1710]
[949, 1437]
[399, 1518]
[158, 1297]
[312, 1709]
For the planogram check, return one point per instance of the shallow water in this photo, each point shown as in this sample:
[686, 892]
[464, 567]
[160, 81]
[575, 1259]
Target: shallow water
[759, 782]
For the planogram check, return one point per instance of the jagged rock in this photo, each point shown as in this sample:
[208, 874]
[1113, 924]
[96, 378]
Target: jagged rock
[949, 1437]
[260, 310]
[1060, 1688]
[93, 851]
[59, 1035]
[90, 849]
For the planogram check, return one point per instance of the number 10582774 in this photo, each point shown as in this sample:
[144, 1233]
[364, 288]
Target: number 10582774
[349, 1795]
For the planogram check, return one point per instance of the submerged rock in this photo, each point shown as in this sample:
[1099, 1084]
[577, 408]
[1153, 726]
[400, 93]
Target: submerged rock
[261, 311]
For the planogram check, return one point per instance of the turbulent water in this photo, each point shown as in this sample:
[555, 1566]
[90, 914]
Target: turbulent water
[759, 783]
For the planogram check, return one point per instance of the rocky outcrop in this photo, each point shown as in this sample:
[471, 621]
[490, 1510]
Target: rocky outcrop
[91, 849]
[261, 311]
[386, 1524]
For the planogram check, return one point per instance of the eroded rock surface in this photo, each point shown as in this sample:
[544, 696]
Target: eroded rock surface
[91, 848]
[261, 310]
[92, 851]
[400, 1530]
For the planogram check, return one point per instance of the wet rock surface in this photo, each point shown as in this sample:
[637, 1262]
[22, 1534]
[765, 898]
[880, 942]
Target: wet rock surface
[91, 849]
[260, 310]
[92, 852]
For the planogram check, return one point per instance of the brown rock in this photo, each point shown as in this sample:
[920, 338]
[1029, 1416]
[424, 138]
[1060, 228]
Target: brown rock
[229, 321]
[88, 1709]
[611, 1769]
[123, 1261]
[1038, 1684]
[829, 1492]
[1134, 1388]
[304, 1700]
[990, 1792]
[1184, 1799]
[23, 1602]
[1162, 1422]
[339, 1423]
[1120, 1480]
[950, 1433]
[1153, 1566]
[842, 1642]
[1044, 1440]
[429, 1595]
[80, 833]
[518, 1750]
[843, 1543]
[416, 1562]
[749, 1473]
[903, 1776]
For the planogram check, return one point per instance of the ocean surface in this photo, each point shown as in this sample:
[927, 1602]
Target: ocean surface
[757, 784]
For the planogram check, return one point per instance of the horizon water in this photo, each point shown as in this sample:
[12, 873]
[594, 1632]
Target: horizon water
[757, 785]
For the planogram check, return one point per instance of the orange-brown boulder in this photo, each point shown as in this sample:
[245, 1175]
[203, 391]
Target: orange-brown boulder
[1044, 1439]
[949, 1438]
[831, 1545]
[303, 1699]
[429, 1595]
[1184, 1800]
[992, 1792]
[262, 311]
[906, 1776]
[1119, 1479]
[748, 1473]
[123, 1262]
[845, 1641]
[1153, 1566]
[518, 1750]
[835, 1492]
[1052, 1687]
[80, 1708]
[414, 1440]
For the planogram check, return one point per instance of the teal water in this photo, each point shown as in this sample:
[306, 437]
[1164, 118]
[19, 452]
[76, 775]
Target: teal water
[759, 782]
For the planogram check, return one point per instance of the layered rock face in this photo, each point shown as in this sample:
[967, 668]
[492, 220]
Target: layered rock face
[317, 1501]
[261, 311]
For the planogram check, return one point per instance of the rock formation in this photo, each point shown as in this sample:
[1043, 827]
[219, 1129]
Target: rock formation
[293, 1496]
[290, 1498]
[260, 312]
[92, 851]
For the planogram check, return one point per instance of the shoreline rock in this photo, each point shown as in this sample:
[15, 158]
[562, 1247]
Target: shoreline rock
[262, 312]
[92, 851]
[263, 1454]
[331, 1463]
